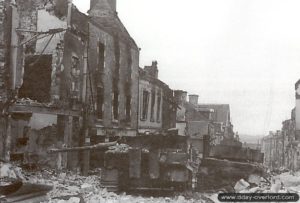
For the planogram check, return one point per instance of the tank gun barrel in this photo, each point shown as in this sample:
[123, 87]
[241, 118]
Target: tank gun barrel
[92, 147]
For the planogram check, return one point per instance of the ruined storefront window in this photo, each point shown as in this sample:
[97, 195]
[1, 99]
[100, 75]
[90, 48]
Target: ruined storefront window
[145, 104]
[37, 78]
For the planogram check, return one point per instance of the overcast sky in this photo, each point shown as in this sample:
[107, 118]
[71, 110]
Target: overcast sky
[242, 52]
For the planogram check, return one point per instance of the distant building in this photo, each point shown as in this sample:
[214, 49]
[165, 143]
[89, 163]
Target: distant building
[281, 148]
[273, 149]
[222, 123]
[195, 122]
[157, 109]
[252, 145]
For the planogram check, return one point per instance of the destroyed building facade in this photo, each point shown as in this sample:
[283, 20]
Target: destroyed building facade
[43, 83]
[63, 72]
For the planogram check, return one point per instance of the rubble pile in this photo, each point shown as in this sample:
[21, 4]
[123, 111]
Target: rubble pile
[65, 184]
[8, 170]
[72, 188]
[290, 180]
[284, 183]
[256, 184]
[69, 187]
[104, 196]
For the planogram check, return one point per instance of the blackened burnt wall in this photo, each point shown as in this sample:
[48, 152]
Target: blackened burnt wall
[126, 69]
[3, 48]
[169, 109]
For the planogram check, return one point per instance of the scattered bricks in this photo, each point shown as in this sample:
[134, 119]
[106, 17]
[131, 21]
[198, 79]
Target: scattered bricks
[254, 190]
[74, 200]
[276, 185]
[255, 179]
[86, 188]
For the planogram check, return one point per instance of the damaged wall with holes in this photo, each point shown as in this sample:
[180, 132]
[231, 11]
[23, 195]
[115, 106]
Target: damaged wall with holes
[63, 58]
[34, 134]
[46, 63]
[51, 57]
[40, 62]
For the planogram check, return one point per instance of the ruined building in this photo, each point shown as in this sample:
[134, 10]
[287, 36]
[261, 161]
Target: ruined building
[291, 156]
[157, 111]
[194, 122]
[221, 121]
[281, 149]
[66, 79]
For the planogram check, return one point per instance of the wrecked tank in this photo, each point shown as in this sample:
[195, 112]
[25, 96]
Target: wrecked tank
[160, 164]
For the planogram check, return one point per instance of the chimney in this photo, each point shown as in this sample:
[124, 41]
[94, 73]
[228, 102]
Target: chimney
[69, 13]
[193, 99]
[102, 8]
[297, 110]
[113, 5]
[152, 70]
[180, 96]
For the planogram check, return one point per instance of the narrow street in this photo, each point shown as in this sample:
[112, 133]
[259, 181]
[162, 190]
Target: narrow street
[109, 101]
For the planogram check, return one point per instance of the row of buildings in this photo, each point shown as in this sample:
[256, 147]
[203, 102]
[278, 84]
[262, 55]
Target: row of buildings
[282, 148]
[68, 79]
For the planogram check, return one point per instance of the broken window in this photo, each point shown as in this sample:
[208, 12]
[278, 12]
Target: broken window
[115, 99]
[152, 104]
[99, 83]
[115, 106]
[101, 49]
[116, 77]
[75, 76]
[158, 107]
[145, 103]
[127, 102]
[127, 86]
[37, 78]
[99, 105]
